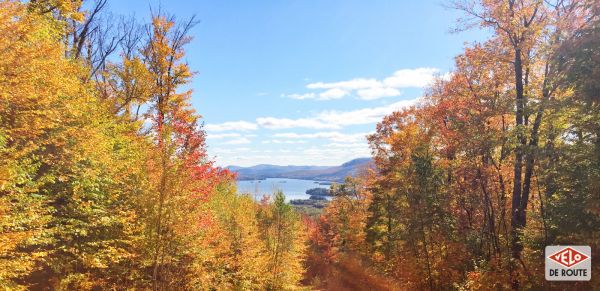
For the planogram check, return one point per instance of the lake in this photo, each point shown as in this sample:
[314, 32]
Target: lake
[292, 188]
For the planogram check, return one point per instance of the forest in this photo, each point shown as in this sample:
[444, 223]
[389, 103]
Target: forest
[106, 184]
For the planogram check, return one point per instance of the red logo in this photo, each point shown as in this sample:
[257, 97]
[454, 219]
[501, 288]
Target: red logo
[568, 257]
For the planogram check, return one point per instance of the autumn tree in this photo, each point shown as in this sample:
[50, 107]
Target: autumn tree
[284, 237]
[233, 253]
[532, 32]
[496, 161]
[78, 183]
[412, 184]
[72, 171]
[183, 178]
[346, 217]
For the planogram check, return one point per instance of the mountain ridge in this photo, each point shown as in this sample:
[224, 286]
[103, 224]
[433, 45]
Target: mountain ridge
[320, 173]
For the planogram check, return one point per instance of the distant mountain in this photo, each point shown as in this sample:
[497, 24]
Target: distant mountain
[319, 173]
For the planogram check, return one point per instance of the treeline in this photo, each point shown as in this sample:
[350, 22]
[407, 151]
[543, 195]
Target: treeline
[498, 160]
[104, 178]
[318, 192]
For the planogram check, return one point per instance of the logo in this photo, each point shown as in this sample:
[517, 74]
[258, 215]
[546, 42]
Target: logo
[568, 263]
[568, 257]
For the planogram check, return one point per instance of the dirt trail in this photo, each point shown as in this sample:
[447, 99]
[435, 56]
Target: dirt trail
[346, 274]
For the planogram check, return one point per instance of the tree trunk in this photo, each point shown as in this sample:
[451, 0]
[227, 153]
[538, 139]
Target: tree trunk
[517, 222]
[161, 198]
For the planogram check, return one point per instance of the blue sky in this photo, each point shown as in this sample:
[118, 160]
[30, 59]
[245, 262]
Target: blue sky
[300, 82]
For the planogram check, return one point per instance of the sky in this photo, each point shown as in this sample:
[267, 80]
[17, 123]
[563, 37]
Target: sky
[302, 82]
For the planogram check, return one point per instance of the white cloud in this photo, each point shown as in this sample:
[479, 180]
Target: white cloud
[282, 123]
[324, 120]
[363, 116]
[300, 96]
[343, 155]
[353, 84]
[377, 92]
[329, 135]
[279, 141]
[241, 140]
[222, 135]
[370, 89]
[359, 145]
[335, 119]
[229, 151]
[230, 138]
[408, 78]
[333, 93]
[231, 125]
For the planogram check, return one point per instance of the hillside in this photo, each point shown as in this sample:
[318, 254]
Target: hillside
[320, 173]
